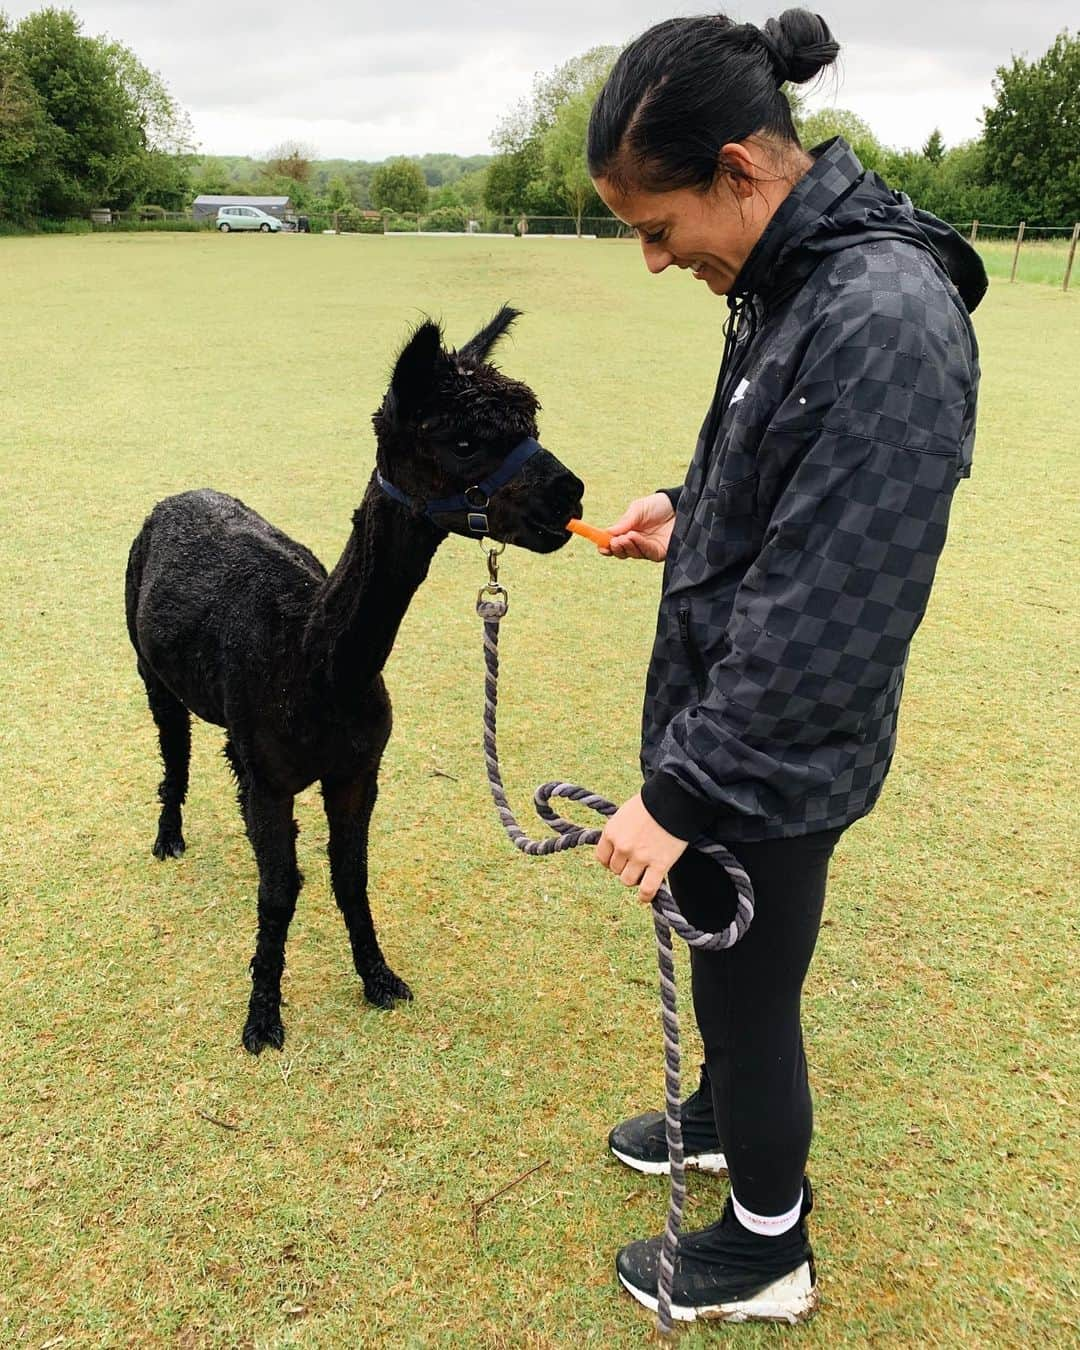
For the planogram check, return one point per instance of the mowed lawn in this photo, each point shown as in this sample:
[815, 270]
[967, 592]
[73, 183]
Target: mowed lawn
[1041, 260]
[159, 1187]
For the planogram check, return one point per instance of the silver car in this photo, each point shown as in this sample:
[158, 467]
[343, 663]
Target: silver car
[246, 218]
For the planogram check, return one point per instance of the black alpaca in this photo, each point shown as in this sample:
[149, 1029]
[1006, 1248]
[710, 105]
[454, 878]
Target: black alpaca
[235, 622]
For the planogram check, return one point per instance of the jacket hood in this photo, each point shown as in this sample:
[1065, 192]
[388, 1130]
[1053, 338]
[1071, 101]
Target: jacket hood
[836, 205]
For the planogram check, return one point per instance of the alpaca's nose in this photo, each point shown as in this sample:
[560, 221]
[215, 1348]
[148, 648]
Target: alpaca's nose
[567, 492]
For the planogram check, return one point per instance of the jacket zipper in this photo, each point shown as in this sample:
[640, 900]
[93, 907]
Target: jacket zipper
[737, 343]
[693, 656]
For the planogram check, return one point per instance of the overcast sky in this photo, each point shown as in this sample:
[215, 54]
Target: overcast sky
[362, 80]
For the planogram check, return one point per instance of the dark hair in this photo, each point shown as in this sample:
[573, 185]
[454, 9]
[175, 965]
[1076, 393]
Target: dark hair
[687, 87]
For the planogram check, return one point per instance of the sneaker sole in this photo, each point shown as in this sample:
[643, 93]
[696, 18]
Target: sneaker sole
[791, 1299]
[715, 1163]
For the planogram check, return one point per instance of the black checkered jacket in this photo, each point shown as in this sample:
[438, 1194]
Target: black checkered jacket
[813, 514]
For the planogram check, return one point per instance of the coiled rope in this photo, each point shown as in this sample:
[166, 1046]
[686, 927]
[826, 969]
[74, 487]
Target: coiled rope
[491, 606]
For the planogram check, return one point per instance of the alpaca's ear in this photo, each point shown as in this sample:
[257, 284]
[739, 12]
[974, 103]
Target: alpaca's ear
[414, 373]
[478, 349]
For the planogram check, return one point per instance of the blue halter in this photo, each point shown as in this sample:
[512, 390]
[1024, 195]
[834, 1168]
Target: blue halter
[473, 501]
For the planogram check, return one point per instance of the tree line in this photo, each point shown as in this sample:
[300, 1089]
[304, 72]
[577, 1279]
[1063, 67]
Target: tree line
[84, 124]
[1024, 166]
[322, 187]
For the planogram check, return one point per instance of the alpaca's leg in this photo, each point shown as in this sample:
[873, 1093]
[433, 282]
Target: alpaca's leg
[174, 735]
[348, 812]
[240, 773]
[272, 831]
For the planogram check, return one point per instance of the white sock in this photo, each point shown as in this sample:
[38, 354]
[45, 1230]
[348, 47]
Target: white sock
[767, 1225]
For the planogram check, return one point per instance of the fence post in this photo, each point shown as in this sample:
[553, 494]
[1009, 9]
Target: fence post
[1072, 255]
[1016, 255]
[974, 231]
[336, 229]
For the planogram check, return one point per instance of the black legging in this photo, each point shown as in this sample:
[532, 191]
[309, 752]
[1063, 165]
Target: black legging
[747, 1002]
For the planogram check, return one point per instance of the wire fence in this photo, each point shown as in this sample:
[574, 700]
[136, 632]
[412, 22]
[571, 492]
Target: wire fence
[456, 220]
[1051, 248]
[1054, 245]
[1043, 253]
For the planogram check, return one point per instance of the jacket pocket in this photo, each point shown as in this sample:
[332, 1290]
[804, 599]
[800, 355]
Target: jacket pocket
[732, 532]
[692, 652]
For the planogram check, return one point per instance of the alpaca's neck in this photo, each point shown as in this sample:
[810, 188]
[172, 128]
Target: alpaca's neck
[360, 606]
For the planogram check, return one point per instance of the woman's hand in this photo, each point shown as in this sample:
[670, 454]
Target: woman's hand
[638, 850]
[644, 529]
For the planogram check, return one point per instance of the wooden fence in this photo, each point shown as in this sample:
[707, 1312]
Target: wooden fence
[977, 230]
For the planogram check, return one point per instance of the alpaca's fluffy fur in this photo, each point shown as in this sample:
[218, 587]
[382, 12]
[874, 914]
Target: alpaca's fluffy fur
[235, 622]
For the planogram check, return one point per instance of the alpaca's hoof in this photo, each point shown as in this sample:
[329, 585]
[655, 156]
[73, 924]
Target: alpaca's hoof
[384, 989]
[260, 1031]
[168, 845]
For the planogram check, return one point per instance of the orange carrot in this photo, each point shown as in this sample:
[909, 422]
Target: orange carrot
[601, 538]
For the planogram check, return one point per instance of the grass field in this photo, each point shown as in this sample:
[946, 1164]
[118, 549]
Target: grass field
[1041, 260]
[338, 1211]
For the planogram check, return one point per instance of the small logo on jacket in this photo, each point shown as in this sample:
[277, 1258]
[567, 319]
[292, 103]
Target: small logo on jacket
[740, 392]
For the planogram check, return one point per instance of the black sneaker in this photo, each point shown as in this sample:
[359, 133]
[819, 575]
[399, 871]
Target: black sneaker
[728, 1273]
[641, 1142]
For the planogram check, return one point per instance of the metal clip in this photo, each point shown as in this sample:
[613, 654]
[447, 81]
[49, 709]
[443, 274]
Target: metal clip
[498, 601]
[496, 605]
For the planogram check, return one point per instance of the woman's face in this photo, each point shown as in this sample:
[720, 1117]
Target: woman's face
[710, 233]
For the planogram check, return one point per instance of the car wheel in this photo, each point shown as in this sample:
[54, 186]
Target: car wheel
[224, 227]
[264, 228]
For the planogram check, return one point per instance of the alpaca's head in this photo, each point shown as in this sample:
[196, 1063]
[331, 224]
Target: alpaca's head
[450, 419]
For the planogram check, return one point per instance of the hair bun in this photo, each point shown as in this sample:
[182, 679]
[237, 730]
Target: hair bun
[800, 45]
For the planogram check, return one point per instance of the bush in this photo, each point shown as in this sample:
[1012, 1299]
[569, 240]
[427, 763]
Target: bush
[446, 218]
[156, 226]
[76, 225]
[401, 224]
[351, 220]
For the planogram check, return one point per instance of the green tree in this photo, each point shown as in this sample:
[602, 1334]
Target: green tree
[565, 164]
[161, 171]
[510, 176]
[108, 131]
[470, 187]
[25, 141]
[1032, 133]
[826, 123]
[338, 194]
[399, 185]
[522, 177]
[911, 172]
[164, 126]
[96, 139]
[934, 149]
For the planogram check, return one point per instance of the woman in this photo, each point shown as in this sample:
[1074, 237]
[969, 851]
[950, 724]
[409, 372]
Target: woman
[799, 556]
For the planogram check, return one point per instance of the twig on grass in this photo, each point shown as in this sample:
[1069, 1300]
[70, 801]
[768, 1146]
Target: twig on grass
[216, 1120]
[478, 1205]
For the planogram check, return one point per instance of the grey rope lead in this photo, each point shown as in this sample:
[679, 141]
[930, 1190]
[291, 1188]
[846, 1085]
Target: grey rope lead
[491, 605]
